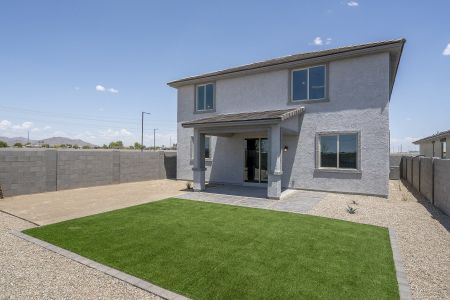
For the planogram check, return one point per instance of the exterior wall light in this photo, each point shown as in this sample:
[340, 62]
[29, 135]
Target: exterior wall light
[285, 148]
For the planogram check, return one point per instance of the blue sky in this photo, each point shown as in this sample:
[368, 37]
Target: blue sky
[86, 69]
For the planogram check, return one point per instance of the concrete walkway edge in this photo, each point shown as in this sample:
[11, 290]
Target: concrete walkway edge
[402, 280]
[137, 282]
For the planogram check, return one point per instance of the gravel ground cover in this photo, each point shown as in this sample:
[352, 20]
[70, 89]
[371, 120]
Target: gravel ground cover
[28, 271]
[423, 233]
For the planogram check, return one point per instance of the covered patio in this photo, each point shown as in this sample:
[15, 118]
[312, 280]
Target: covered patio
[272, 125]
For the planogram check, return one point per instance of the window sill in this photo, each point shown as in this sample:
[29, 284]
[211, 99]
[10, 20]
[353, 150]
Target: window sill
[296, 102]
[204, 111]
[334, 170]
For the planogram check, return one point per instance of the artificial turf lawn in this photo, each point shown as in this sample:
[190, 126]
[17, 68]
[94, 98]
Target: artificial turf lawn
[214, 251]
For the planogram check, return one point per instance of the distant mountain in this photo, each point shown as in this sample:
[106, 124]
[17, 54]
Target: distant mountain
[51, 141]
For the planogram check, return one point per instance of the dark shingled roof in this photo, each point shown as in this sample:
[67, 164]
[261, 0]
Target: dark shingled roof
[349, 50]
[275, 116]
[432, 137]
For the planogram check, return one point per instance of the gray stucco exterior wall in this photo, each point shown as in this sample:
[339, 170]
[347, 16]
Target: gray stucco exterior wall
[358, 90]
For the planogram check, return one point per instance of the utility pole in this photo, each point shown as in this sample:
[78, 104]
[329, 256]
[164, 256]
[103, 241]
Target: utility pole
[28, 138]
[170, 142]
[154, 138]
[142, 129]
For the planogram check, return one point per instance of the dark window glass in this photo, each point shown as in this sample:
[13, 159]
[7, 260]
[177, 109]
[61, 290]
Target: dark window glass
[347, 151]
[317, 82]
[207, 147]
[328, 151]
[209, 96]
[201, 97]
[300, 85]
[443, 148]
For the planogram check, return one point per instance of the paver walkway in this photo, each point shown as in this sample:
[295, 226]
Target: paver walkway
[297, 201]
[52, 207]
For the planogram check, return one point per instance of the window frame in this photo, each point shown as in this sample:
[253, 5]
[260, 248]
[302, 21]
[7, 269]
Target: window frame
[291, 84]
[207, 142]
[338, 134]
[443, 142]
[196, 110]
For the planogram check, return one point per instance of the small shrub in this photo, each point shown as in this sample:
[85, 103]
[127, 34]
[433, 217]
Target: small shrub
[351, 210]
[188, 186]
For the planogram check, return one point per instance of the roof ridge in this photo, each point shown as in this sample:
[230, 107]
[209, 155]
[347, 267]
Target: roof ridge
[286, 57]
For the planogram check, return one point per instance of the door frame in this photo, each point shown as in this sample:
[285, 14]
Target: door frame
[244, 144]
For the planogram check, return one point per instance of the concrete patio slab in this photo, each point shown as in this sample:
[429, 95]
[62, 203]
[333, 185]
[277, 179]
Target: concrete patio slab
[297, 201]
[52, 207]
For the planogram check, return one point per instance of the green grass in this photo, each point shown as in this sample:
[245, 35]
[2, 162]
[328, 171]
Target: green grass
[214, 251]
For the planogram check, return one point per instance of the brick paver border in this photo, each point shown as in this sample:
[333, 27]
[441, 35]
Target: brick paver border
[137, 282]
[403, 284]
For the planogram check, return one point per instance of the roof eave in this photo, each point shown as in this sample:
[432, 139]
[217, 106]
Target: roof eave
[394, 46]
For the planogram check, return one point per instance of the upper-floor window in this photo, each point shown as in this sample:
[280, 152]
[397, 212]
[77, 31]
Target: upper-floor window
[308, 83]
[204, 97]
[444, 148]
[338, 151]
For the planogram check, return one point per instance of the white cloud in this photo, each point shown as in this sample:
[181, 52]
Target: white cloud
[5, 124]
[100, 88]
[318, 41]
[446, 50]
[24, 125]
[76, 88]
[109, 133]
[47, 127]
[352, 3]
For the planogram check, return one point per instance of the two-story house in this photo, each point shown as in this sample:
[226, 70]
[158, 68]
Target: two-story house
[434, 145]
[314, 121]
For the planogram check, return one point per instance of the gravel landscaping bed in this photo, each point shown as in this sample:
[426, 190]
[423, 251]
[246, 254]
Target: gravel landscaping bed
[422, 230]
[28, 271]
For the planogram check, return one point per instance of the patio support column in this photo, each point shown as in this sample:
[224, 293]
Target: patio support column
[275, 166]
[199, 161]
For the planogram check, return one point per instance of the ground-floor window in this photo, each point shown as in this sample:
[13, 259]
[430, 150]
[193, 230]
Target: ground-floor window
[338, 151]
[444, 148]
[207, 147]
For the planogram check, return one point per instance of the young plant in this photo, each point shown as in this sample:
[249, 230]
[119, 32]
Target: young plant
[351, 210]
[188, 186]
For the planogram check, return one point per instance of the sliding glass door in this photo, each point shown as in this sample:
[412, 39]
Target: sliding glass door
[255, 165]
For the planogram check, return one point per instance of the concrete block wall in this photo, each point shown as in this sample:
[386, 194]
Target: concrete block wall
[135, 166]
[409, 169]
[442, 184]
[426, 177]
[416, 172]
[431, 177]
[27, 171]
[84, 168]
[394, 166]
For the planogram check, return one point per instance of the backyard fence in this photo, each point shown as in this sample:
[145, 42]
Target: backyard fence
[27, 171]
[430, 177]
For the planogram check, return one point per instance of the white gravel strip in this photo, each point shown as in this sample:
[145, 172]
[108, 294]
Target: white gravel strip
[28, 271]
[423, 234]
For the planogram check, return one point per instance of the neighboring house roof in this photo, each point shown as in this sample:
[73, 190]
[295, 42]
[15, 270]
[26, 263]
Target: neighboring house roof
[266, 117]
[394, 47]
[433, 137]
